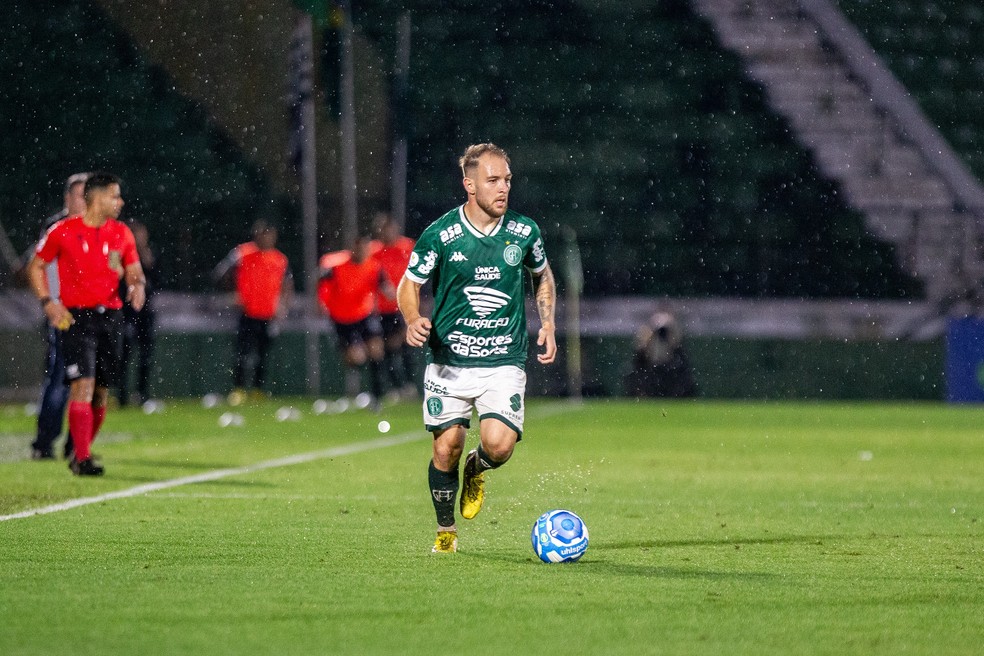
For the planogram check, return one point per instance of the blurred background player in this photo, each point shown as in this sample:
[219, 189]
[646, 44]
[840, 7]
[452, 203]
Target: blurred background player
[54, 389]
[392, 251]
[351, 281]
[94, 251]
[224, 273]
[264, 287]
[138, 325]
[476, 256]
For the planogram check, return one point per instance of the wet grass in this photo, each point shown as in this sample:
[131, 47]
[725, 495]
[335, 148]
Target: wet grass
[715, 528]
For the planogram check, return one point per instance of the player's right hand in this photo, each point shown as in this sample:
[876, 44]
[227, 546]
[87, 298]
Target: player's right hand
[65, 322]
[418, 331]
[59, 316]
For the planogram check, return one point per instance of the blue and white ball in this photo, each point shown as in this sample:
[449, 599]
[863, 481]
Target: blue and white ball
[559, 536]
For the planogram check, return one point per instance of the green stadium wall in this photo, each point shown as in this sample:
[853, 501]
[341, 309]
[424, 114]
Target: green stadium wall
[194, 364]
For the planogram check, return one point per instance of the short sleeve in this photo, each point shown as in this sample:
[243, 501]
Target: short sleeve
[424, 257]
[47, 248]
[129, 254]
[536, 256]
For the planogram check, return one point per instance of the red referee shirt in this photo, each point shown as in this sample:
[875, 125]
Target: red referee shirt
[393, 259]
[90, 260]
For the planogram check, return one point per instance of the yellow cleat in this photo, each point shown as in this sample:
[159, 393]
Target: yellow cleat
[472, 487]
[236, 397]
[446, 542]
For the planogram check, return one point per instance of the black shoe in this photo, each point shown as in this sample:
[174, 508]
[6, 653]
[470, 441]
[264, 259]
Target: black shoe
[85, 467]
[42, 454]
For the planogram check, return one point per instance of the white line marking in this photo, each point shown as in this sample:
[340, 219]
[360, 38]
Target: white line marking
[301, 458]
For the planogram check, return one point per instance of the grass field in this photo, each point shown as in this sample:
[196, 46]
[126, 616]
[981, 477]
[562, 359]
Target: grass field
[716, 528]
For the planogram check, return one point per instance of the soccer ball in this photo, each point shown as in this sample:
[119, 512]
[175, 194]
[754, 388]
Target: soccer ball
[559, 536]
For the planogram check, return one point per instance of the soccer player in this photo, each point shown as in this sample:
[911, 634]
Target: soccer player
[263, 289]
[94, 251]
[475, 256]
[392, 251]
[224, 273]
[54, 391]
[351, 281]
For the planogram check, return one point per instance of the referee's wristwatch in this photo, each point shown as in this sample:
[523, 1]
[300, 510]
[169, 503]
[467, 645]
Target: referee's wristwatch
[45, 300]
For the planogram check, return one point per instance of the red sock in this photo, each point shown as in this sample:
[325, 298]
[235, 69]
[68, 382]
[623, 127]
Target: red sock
[98, 414]
[80, 426]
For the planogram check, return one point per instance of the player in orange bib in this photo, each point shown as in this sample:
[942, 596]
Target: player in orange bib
[264, 287]
[351, 282]
[392, 251]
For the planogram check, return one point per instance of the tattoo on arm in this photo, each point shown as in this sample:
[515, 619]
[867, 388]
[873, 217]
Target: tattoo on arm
[546, 296]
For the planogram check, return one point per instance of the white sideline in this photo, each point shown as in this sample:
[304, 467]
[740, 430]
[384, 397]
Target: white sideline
[206, 477]
[301, 458]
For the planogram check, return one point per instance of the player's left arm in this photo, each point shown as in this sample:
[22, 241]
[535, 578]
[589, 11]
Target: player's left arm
[136, 285]
[546, 303]
[286, 295]
[386, 288]
[133, 274]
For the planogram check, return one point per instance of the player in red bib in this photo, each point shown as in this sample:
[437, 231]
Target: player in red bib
[94, 251]
[351, 282]
[224, 274]
[392, 251]
[263, 289]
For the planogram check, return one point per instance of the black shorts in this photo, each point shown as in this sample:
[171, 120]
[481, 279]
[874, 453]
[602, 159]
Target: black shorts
[393, 324]
[91, 346]
[358, 332]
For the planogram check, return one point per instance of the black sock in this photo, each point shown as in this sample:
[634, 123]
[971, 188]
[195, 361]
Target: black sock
[444, 491]
[375, 379]
[389, 363]
[485, 462]
[406, 355]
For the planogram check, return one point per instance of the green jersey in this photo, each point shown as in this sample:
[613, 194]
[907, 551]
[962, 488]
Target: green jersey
[479, 317]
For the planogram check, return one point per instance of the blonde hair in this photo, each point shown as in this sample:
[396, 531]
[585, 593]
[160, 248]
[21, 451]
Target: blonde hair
[472, 154]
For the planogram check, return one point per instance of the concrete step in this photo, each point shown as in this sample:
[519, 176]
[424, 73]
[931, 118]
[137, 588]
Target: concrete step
[835, 118]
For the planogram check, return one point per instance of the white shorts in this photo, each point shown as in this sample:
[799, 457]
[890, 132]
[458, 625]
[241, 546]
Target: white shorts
[451, 393]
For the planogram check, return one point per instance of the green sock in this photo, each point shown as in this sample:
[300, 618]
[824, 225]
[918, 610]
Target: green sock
[444, 491]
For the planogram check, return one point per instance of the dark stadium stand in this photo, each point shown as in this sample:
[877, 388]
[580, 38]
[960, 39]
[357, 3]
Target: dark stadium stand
[627, 122]
[935, 49]
[78, 95]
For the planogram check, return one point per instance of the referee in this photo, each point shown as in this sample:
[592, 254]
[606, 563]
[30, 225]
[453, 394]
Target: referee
[94, 251]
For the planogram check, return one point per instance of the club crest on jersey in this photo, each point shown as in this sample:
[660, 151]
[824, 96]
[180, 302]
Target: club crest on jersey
[485, 301]
[512, 255]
